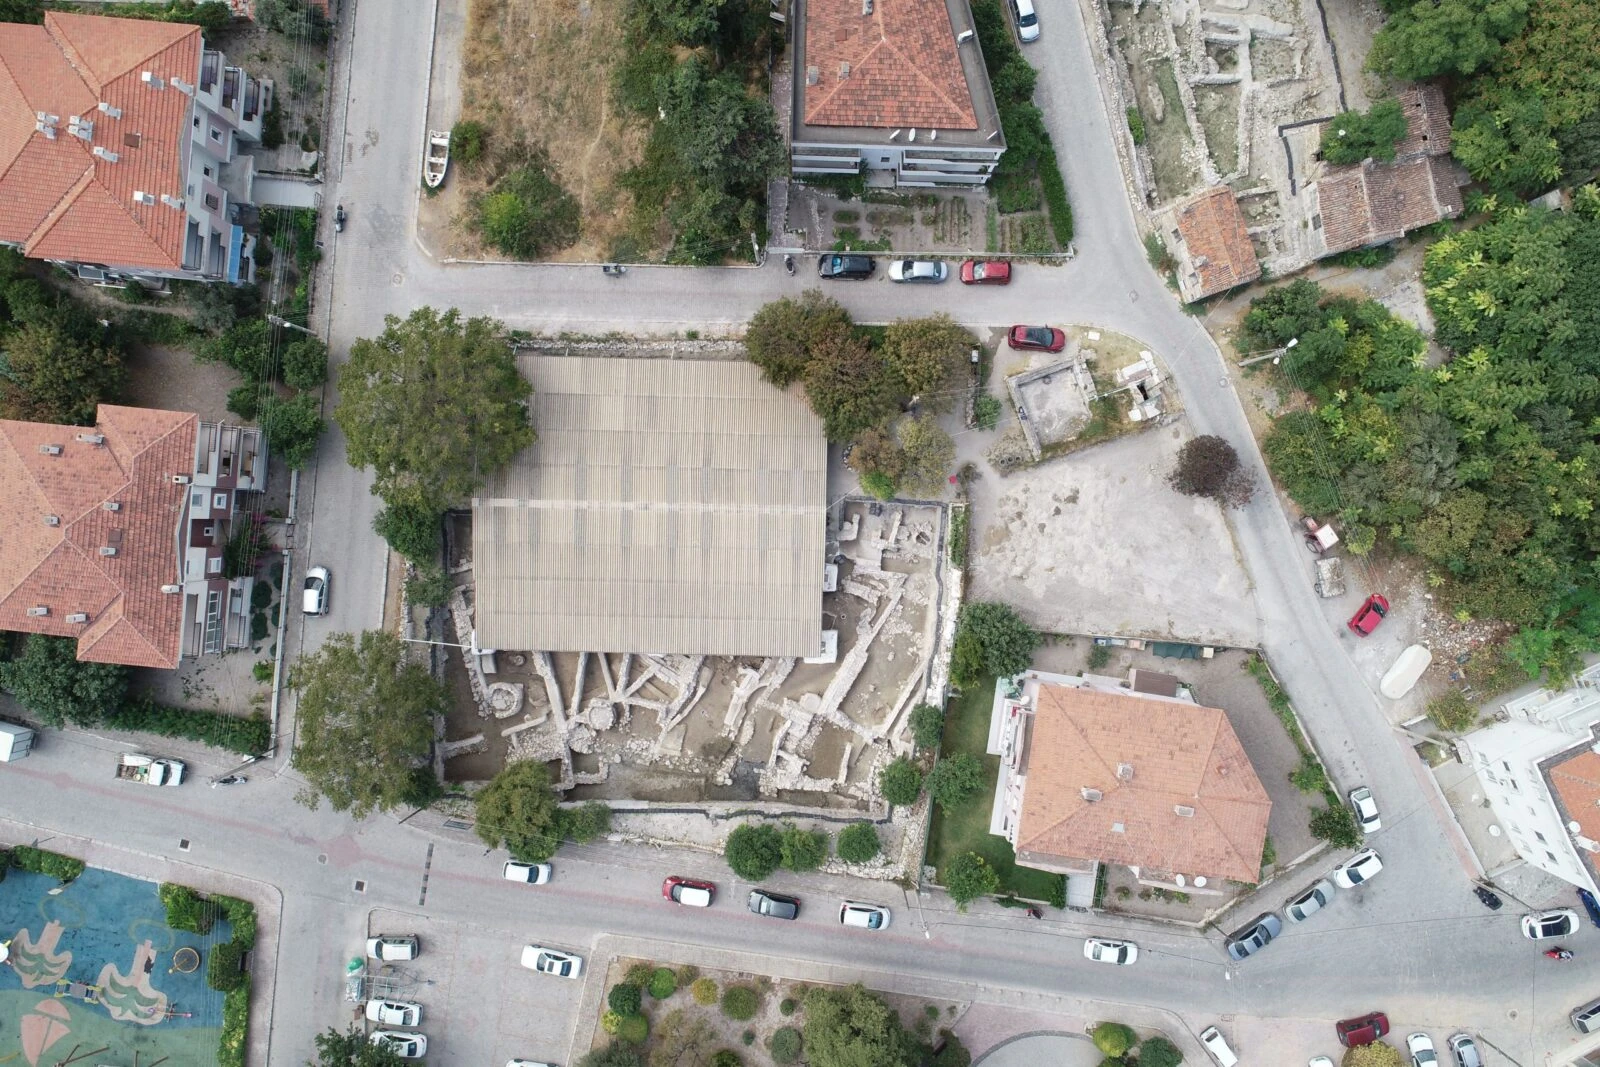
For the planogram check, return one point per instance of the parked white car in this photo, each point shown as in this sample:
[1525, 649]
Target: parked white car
[1421, 1048]
[552, 961]
[1110, 950]
[406, 1046]
[1358, 869]
[1366, 807]
[864, 916]
[1217, 1045]
[531, 873]
[394, 1012]
[394, 947]
[314, 596]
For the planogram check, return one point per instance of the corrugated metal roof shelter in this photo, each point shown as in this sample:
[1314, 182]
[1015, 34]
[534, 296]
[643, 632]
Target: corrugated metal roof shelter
[667, 506]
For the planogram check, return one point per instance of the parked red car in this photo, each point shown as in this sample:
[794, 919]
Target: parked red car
[1366, 620]
[1040, 338]
[985, 272]
[690, 891]
[1362, 1031]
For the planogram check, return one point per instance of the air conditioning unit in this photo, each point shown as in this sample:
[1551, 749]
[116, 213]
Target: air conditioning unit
[52, 520]
[49, 450]
[107, 550]
[112, 505]
[180, 479]
[172, 589]
[78, 616]
[38, 612]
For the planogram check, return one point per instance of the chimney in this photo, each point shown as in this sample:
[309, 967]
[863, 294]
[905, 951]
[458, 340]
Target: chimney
[183, 86]
[39, 612]
[112, 505]
[844, 71]
[1125, 771]
[1091, 795]
[110, 112]
[83, 131]
[78, 616]
[107, 550]
[151, 80]
[813, 75]
[1183, 810]
[172, 589]
[172, 201]
[45, 128]
[103, 153]
[49, 450]
[52, 520]
[142, 197]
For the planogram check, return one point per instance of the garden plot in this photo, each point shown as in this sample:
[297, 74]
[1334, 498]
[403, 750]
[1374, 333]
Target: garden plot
[1149, 49]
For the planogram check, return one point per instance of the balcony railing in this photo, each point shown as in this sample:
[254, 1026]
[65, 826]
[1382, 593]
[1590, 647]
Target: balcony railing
[230, 87]
[210, 65]
[252, 99]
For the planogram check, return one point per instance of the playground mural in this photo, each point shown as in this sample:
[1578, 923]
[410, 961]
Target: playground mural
[92, 974]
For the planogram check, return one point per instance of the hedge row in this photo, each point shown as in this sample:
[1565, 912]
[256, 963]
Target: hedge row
[244, 736]
[43, 861]
[1055, 194]
[189, 910]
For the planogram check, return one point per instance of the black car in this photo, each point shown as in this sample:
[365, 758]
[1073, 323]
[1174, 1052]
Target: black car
[1254, 937]
[844, 266]
[1590, 905]
[774, 905]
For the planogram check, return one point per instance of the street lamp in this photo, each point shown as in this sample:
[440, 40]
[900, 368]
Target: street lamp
[279, 320]
[1275, 354]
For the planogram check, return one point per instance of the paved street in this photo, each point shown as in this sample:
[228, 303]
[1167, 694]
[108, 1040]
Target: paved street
[1414, 943]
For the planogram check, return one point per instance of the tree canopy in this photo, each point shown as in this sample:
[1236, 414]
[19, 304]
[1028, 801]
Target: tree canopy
[931, 357]
[433, 405]
[1484, 467]
[754, 850]
[927, 453]
[1429, 38]
[968, 877]
[992, 640]
[518, 809]
[353, 1049]
[48, 679]
[50, 375]
[781, 335]
[1355, 136]
[851, 1027]
[365, 722]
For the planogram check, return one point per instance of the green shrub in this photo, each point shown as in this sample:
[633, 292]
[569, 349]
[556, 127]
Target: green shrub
[585, 822]
[611, 1022]
[639, 974]
[740, 1002]
[726, 1058]
[223, 972]
[186, 909]
[468, 141]
[305, 363]
[663, 983]
[527, 213]
[754, 851]
[241, 916]
[1058, 890]
[1159, 1052]
[1453, 712]
[858, 842]
[687, 974]
[244, 736]
[955, 780]
[803, 850]
[413, 530]
[635, 1029]
[784, 1045]
[1309, 777]
[1336, 824]
[1114, 1039]
[235, 1026]
[1136, 125]
[748, 1037]
[704, 991]
[927, 726]
[880, 484]
[1055, 194]
[986, 409]
[624, 999]
[42, 861]
[245, 401]
[1016, 192]
[261, 670]
[901, 782]
[787, 1005]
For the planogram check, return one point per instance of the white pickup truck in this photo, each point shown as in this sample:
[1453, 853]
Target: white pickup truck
[135, 767]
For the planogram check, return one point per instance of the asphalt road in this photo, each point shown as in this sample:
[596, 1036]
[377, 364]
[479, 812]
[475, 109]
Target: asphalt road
[1415, 942]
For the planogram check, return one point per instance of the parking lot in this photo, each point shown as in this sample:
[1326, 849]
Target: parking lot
[479, 1005]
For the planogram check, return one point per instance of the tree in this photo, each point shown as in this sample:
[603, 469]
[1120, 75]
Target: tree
[854, 1028]
[518, 808]
[49, 680]
[849, 385]
[352, 1049]
[412, 530]
[1336, 825]
[527, 213]
[803, 850]
[616, 1054]
[968, 877]
[21, 11]
[291, 428]
[1114, 1039]
[624, 998]
[927, 726]
[931, 356]
[1159, 1052]
[1208, 466]
[955, 779]
[1427, 38]
[991, 639]
[928, 453]
[781, 335]
[879, 485]
[754, 850]
[1354, 136]
[434, 405]
[305, 363]
[1376, 1054]
[901, 782]
[858, 843]
[246, 346]
[48, 375]
[682, 22]
[1453, 712]
[365, 721]
[682, 1041]
[726, 137]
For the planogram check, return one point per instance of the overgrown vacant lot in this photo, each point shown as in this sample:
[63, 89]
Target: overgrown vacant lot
[540, 71]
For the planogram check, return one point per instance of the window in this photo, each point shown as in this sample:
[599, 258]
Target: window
[1506, 765]
[216, 135]
[219, 502]
[1552, 856]
[212, 203]
[197, 122]
[214, 565]
[206, 171]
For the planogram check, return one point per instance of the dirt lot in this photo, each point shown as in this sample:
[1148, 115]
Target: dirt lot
[540, 70]
[1055, 542]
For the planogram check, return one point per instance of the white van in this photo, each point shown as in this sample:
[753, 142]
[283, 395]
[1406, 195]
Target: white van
[1027, 20]
[1217, 1045]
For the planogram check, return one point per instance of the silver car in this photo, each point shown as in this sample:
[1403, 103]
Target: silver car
[918, 270]
[1310, 902]
[1366, 807]
[1466, 1051]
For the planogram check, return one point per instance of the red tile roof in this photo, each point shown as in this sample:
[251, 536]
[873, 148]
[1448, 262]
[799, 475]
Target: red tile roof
[1427, 123]
[1157, 784]
[1372, 202]
[57, 199]
[1576, 780]
[61, 567]
[1219, 253]
[895, 67]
